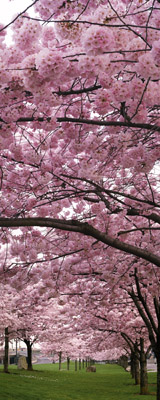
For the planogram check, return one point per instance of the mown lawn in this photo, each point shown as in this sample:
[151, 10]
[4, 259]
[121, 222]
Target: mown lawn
[110, 382]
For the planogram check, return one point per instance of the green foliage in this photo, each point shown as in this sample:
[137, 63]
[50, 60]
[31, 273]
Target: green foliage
[47, 383]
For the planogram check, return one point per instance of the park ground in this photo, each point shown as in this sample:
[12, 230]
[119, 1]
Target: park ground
[46, 382]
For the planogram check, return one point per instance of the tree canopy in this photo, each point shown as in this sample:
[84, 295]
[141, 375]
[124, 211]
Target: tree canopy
[79, 155]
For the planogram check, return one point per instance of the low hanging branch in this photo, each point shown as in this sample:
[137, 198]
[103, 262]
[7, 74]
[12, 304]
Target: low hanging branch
[85, 229]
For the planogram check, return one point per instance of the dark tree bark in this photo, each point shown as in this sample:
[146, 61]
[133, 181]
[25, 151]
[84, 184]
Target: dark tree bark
[132, 365]
[6, 351]
[123, 361]
[29, 354]
[89, 362]
[135, 356]
[137, 369]
[68, 362]
[153, 325]
[157, 354]
[16, 361]
[158, 375]
[76, 365]
[143, 369]
[60, 360]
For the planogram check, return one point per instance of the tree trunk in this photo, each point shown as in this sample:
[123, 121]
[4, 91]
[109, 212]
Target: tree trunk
[6, 351]
[157, 353]
[60, 360]
[123, 361]
[137, 370]
[75, 365]
[143, 373]
[132, 365]
[29, 354]
[83, 363]
[158, 376]
[68, 361]
[16, 360]
[79, 363]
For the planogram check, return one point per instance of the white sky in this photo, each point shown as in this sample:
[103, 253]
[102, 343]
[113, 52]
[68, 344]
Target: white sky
[8, 9]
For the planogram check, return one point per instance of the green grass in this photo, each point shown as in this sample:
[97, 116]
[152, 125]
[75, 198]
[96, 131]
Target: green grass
[110, 382]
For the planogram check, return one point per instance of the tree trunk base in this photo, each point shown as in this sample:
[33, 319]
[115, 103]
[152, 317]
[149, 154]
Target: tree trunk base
[144, 391]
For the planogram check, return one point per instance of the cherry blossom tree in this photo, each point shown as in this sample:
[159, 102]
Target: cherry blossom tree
[30, 310]
[9, 320]
[79, 143]
[120, 314]
[79, 124]
[115, 322]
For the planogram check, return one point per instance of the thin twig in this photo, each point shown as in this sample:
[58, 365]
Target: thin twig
[10, 23]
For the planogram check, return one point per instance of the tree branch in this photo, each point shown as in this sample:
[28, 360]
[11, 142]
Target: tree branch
[110, 123]
[91, 122]
[85, 229]
[144, 318]
[143, 302]
[10, 23]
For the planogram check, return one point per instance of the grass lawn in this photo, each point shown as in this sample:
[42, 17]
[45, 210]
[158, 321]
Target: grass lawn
[110, 382]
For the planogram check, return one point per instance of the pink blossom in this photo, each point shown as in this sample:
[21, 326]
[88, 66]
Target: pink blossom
[147, 68]
[50, 64]
[156, 51]
[97, 40]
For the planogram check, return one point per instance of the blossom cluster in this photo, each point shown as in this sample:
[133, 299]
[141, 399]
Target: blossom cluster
[79, 141]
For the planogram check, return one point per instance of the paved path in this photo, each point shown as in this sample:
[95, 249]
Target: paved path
[151, 365]
[43, 360]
